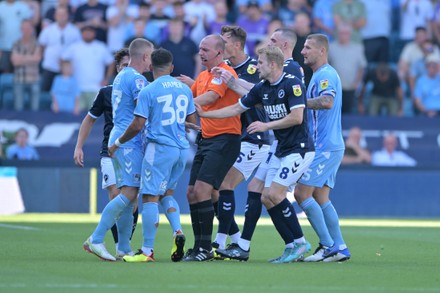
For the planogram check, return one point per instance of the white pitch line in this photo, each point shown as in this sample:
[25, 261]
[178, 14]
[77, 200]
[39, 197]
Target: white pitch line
[18, 227]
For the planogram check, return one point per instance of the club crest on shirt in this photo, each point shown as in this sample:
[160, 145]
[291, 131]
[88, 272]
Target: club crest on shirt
[251, 69]
[140, 83]
[323, 84]
[297, 90]
[281, 94]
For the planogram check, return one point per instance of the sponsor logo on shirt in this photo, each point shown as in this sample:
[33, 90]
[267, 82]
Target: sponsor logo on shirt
[140, 83]
[323, 84]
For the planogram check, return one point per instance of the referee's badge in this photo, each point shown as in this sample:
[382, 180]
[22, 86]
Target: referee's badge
[323, 84]
[297, 90]
[251, 69]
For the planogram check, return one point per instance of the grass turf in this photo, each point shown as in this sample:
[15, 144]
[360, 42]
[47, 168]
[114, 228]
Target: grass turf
[42, 253]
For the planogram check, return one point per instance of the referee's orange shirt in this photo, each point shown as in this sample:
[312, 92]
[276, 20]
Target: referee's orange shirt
[212, 127]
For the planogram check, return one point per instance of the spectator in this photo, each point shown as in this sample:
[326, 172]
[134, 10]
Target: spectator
[290, 9]
[348, 58]
[143, 27]
[354, 152]
[418, 67]
[179, 12]
[189, 62]
[386, 91]
[413, 14]
[92, 14]
[26, 57]
[255, 24]
[65, 91]
[55, 39]
[12, 13]
[273, 25]
[221, 12]
[199, 12]
[377, 31]
[427, 89]
[159, 14]
[389, 156]
[302, 29]
[49, 16]
[412, 52]
[21, 150]
[265, 5]
[436, 23]
[323, 18]
[34, 7]
[118, 16]
[89, 58]
[351, 12]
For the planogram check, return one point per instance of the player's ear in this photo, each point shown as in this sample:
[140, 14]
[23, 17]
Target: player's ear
[151, 67]
[171, 67]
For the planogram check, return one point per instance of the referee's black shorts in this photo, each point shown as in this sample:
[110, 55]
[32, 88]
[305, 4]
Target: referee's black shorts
[214, 157]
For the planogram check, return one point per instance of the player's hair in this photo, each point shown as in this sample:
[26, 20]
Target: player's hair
[237, 33]
[273, 54]
[138, 47]
[288, 35]
[121, 53]
[321, 40]
[161, 58]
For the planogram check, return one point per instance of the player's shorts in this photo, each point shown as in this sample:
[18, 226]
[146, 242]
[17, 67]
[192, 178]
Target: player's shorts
[264, 166]
[213, 159]
[251, 155]
[287, 170]
[108, 172]
[323, 169]
[162, 167]
[127, 163]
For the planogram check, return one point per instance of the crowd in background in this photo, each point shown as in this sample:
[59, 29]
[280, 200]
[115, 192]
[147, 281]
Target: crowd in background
[56, 54]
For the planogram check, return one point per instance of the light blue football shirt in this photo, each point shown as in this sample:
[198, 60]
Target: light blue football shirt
[126, 87]
[166, 103]
[325, 125]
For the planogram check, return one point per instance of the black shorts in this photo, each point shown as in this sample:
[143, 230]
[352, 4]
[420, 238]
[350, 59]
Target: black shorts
[213, 159]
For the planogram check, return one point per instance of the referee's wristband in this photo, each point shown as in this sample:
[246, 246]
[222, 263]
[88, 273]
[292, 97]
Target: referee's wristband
[117, 142]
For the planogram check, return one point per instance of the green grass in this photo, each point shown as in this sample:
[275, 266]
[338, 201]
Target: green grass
[41, 253]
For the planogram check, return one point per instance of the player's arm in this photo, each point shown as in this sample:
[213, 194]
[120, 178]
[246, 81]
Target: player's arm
[323, 102]
[229, 111]
[84, 131]
[132, 130]
[191, 122]
[240, 86]
[295, 117]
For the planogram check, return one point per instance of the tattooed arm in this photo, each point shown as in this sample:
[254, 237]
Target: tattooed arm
[321, 103]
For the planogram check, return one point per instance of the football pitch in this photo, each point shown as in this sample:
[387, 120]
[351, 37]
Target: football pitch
[43, 253]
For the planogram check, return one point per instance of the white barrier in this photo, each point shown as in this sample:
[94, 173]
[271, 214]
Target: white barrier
[11, 201]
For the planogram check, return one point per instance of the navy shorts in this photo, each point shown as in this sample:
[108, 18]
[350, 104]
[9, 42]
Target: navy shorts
[214, 157]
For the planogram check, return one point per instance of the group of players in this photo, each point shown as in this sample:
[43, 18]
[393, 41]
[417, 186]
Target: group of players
[238, 102]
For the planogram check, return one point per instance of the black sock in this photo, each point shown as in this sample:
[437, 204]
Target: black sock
[206, 218]
[277, 216]
[195, 223]
[135, 220]
[215, 206]
[291, 219]
[251, 215]
[226, 210]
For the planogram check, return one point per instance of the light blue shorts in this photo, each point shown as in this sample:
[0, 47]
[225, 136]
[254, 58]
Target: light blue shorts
[162, 167]
[323, 169]
[127, 163]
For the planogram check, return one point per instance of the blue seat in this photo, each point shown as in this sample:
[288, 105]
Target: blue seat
[6, 90]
